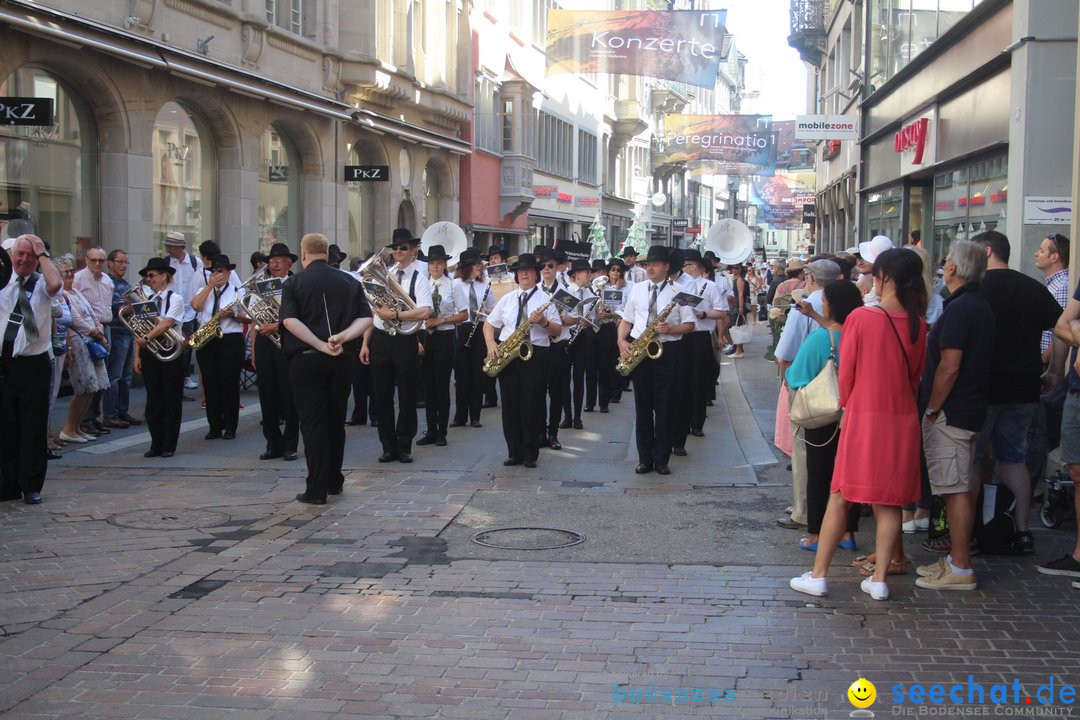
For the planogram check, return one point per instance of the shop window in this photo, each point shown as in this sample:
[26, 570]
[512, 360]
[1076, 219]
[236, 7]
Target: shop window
[362, 205]
[882, 211]
[901, 30]
[433, 190]
[279, 191]
[184, 193]
[969, 200]
[48, 173]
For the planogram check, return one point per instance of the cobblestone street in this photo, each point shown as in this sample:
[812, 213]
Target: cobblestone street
[196, 589]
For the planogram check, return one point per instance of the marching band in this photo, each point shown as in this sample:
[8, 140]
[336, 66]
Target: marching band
[560, 337]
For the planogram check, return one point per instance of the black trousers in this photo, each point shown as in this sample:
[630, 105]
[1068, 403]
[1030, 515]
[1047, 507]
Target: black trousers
[435, 371]
[220, 361]
[24, 416]
[607, 355]
[558, 387]
[680, 393]
[164, 400]
[819, 472]
[276, 397]
[701, 360]
[395, 363]
[522, 387]
[583, 357]
[491, 395]
[653, 380]
[469, 378]
[321, 391]
[362, 392]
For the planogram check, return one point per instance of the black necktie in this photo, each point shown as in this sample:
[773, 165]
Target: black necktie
[400, 276]
[652, 302]
[217, 301]
[473, 304]
[522, 302]
[29, 324]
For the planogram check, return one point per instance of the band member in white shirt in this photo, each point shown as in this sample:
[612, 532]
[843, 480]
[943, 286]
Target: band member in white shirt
[221, 359]
[469, 358]
[583, 349]
[699, 345]
[522, 383]
[558, 377]
[634, 272]
[653, 379]
[449, 308]
[164, 380]
[610, 384]
[496, 256]
[395, 359]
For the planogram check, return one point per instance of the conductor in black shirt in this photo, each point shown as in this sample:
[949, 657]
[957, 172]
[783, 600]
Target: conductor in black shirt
[323, 311]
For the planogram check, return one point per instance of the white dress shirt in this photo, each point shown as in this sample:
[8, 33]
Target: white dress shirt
[479, 289]
[636, 309]
[504, 316]
[228, 294]
[711, 299]
[416, 281]
[452, 300]
[182, 281]
[169, 305]
[41, 304]
[636, 274]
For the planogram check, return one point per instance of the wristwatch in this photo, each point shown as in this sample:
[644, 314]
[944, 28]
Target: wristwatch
[931, 412]
[45, 255]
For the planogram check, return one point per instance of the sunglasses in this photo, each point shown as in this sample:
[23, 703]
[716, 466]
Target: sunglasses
[548, 266]
[69, 272]
[151, 274]
[400, 247]
[95, 260]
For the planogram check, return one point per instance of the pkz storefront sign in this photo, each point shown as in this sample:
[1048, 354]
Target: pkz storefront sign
[26, 111]
[367, 173]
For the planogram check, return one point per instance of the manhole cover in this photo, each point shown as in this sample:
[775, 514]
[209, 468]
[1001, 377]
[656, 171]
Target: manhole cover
[168, 519]
[527, 538]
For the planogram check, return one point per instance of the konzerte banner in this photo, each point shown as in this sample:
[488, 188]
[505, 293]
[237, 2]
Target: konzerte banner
[682, 45]
[727, 144]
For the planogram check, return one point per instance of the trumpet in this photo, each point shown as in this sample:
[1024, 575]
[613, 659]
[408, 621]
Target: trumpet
[165, 347]
[383, 291]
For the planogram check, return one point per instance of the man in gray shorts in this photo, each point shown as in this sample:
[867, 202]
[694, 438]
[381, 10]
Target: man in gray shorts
[953, 397]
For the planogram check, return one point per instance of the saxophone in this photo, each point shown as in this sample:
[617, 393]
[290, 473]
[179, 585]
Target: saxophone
[514, 347]
[212, 330]
[646, 343]
[165, 347]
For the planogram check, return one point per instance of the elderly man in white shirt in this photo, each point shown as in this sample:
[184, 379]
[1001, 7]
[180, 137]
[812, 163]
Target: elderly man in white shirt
[94, 284]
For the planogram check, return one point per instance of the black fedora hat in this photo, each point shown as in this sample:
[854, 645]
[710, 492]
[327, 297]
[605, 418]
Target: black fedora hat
[658, 253]
[599, 265]
[616, 263]
[158, 264]
[401, 236]
[542, 253]
[280, 250]
[628, 250]
[438, 252]
[497, 250]
[335, 254]
[469, 256]
[693, 256]
[527, 261]
[579, 265]
[221, 262]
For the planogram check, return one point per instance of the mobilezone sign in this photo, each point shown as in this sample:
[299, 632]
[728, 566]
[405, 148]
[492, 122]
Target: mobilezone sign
[827, 127]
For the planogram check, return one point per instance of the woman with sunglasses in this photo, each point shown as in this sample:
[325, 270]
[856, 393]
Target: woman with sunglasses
[164, 380]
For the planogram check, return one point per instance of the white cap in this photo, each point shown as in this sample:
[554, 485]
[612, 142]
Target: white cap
[8, 244]
[878, 244]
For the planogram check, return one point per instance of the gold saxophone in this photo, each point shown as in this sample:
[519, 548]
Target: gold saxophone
[165, 347]
[212, 329]
[646, 343]
[514, 347]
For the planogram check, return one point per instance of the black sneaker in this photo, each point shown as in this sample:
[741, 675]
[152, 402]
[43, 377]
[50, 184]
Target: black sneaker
[1067, 565]
[1023, 543]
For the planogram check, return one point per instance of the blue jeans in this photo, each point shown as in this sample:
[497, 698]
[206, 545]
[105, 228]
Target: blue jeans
[120, 365]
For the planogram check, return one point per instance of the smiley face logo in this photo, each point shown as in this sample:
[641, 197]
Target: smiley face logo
[862, 693]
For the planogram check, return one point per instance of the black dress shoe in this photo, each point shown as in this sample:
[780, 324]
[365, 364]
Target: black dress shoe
[708, 403]
[511, 461]
[458, 423]
[167, 453]
[334, 491]
[289, 455]
[388, 457]
[529, 463]
[475, 424]
[131, 420]
[554, 444]
[32, 498]
[588, 409]
[643, 468]
[440, 441]
[785, 521]
[53, 455]
[270, 455]
[353, 422]
[228, 435]
[578, 425]
[152, 453]
[490, 404]
[679, 452]
[565, 425]
[428, 439]
[405, 457]
[663, 469]
[305, 498]
[603, 409]
[212, 435]
[697, 433]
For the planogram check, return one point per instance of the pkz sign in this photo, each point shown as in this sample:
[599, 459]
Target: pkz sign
[26, 111]
[367, 173]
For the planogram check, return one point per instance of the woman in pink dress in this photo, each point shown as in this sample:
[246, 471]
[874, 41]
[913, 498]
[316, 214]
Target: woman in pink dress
[882, 353]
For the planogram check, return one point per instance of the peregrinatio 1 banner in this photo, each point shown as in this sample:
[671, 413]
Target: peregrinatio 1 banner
[725, 144]
[681, 45]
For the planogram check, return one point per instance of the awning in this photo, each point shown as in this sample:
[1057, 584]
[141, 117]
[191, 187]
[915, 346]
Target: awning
[399, 128]
[476, 227]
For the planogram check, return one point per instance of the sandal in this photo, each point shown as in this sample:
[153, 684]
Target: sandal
[895, 568]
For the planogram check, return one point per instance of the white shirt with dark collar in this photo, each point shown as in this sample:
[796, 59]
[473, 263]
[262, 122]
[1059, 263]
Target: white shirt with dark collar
[636, 309]
[504, 317]
[41, 304]
[415, 283]
[452, 300]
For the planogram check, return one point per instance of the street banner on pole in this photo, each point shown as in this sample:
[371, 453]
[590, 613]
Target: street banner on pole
[680, 45]
[725, 144]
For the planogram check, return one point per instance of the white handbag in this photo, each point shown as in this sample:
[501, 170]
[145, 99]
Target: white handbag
[817, 404]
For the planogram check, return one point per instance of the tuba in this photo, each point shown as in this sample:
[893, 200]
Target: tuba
[165, 347]
[384, 292]
[730, 240]
[262, 309]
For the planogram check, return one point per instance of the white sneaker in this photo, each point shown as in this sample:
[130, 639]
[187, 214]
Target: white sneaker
[807, 583]
[916, 525]
[191, 383]
[876, 590]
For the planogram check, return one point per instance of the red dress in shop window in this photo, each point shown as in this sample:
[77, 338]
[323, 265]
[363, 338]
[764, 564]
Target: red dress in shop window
[877, 461]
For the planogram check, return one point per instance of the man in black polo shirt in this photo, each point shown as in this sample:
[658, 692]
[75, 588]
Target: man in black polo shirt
[1023, 308]
[953, 397]
[323, 311]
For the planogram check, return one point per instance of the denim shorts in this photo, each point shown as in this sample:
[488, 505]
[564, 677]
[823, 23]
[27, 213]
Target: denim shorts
[1006, 430]
[1070, 430]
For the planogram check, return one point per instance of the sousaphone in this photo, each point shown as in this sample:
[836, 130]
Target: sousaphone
[447, 234]
[730, 240]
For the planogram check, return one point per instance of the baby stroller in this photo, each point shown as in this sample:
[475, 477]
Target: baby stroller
[1057, 505]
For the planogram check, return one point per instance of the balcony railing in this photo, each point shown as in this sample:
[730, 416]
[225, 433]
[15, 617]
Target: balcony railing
[808, 34]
